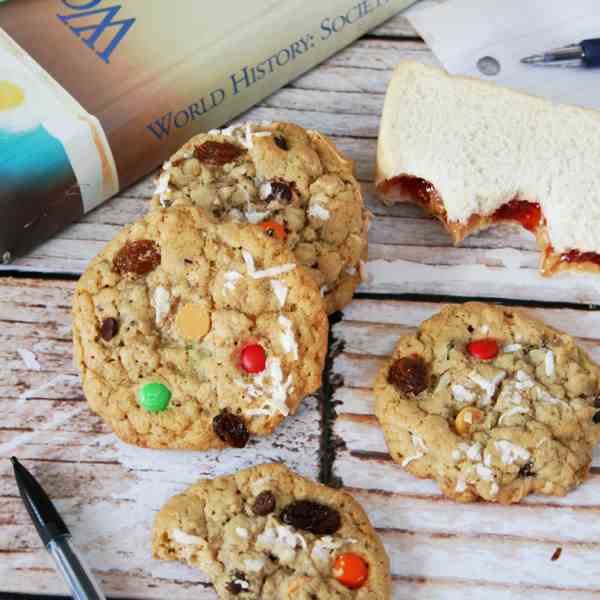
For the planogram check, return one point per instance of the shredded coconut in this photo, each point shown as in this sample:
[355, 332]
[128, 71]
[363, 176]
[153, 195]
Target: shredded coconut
[510, 348]
[162, 304]
[417, 443]
[319, 212]
[474, 452]
[288, 341]
[242, 532]
[256, 216]
[255, 565]
[461, 485]
[524, 381]
[280, 289]
[549, 363]
[323, 548]
[262, 134]
[485, 329]
[181, 537]
[515, 410]
[28, 357]
[510, 452]
[494, 488]
[489, 387]
[276, 393]
[351, 271]
[271, 272]
[162, 187]
[461, 394]
[484, 472]
[265, 190]
[231, 278]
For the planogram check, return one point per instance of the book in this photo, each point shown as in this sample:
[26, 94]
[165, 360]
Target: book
[95, 94]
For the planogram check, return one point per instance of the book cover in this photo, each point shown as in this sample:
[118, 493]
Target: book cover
[94, 94]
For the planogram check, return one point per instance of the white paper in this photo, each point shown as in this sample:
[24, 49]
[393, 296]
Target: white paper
[460, 32]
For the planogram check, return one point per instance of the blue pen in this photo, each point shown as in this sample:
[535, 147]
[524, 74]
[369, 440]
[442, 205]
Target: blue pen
[584, 54]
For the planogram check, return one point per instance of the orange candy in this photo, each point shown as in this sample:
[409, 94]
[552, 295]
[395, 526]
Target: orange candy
[273, 229]
[351, 570]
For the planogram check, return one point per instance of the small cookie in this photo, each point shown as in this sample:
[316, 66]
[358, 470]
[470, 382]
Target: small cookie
[490, 403]
[269, 534]
[191, 334]
[292, 182]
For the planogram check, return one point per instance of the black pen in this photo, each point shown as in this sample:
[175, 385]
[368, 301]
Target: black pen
[584, 54]
[56, 536]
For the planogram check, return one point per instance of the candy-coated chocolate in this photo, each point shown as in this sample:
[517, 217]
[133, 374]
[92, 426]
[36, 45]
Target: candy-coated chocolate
[154, 397]
[254, 358]
[351, 570]
[485, 349]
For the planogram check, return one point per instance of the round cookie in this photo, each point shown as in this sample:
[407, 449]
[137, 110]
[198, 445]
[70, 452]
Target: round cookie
[293, 182]
[269, 534]
[490, 403]
[191, 334]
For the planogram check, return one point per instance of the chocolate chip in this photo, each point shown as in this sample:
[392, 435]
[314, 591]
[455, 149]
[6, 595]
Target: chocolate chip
[311, 516]
[109, 329]
[527, 470]
[596, 417]
[238, 584]
[217, 153]
[281, 191]
[264, 504]
[409, 374]
[597, 402]
[231, 429]
[281, 142]
[138, 257]
[470, 329]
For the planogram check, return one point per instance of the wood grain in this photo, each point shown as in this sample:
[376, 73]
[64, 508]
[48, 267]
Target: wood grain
[441, 549]
[107, 491]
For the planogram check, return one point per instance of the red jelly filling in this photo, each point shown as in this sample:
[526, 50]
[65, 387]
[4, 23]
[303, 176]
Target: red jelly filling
[419, 189]
[528, 214]
[575, 256]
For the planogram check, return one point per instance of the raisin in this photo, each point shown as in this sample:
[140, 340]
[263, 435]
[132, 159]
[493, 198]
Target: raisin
[527, 470]
[311, 516]
[596, 418]
[238, 584]
[139, 257]
[109, 329]
[281, 142]
[231, 429]
[409, 374]
[217, 153]
[597, 402]
[281, 191]
[264, 504]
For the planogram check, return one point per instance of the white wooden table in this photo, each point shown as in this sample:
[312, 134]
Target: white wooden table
[109, 492]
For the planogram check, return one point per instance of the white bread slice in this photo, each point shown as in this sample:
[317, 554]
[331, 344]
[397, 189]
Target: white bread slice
[481, 146]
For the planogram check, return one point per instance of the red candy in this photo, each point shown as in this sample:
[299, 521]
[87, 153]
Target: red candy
[483, 349]
[351, 570]
[253, 359]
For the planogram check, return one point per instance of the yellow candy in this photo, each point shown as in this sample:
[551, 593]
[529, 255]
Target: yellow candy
[466, 418]
[192, 321]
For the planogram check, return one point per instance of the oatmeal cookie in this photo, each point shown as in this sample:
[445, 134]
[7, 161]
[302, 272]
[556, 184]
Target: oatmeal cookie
[292, 182]
[190, 334]
[269, 534]
[491, 403]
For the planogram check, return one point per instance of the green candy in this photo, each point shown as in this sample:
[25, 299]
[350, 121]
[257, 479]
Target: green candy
[154, 397]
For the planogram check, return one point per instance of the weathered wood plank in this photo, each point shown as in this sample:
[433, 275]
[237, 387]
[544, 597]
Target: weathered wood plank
[107, 491]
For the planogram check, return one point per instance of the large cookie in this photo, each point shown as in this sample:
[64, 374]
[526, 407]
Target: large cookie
[293, 182]
[491, 403]
[269, 534]
[190, 334]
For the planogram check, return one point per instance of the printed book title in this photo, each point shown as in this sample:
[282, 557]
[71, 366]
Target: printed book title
[250, 75]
